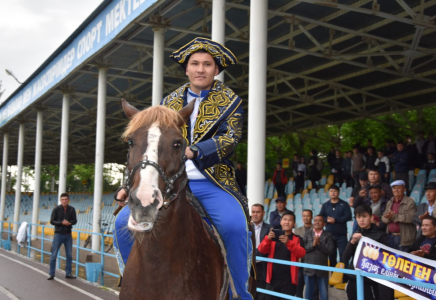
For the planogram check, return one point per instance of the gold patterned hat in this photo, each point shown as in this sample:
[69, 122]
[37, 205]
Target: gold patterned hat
[223, 56]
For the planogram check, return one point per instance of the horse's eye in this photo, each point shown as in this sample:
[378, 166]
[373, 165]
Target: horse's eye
[177, 145]
[130, 142]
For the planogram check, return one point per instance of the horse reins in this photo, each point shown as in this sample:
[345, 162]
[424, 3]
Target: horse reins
[169, 182]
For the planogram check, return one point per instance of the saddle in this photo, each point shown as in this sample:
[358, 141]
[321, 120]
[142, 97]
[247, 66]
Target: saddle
[216, 236]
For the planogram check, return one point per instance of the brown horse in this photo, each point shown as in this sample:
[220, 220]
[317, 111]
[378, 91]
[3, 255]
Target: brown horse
[173, 256]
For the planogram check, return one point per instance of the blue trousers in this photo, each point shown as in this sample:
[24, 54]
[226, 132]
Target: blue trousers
[123, 241]
[229, 218]
[311, 287]
[340, 245]
[58, 240]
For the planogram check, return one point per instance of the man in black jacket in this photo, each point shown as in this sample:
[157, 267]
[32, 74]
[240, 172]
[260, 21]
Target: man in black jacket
[372, 289]
[425, 244]
[336, 213]
[261, 229]
[63, 217]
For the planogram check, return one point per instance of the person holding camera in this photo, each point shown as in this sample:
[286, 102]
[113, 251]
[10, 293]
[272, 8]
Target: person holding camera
[284, 245]
[63, 217]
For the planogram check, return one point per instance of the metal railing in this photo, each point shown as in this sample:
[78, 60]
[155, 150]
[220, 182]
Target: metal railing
[76, 245]
[358, 273]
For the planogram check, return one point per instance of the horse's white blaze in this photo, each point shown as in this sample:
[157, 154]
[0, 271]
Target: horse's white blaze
[148, 189]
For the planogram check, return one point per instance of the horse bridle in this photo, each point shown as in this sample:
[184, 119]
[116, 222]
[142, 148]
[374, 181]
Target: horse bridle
[169, 182]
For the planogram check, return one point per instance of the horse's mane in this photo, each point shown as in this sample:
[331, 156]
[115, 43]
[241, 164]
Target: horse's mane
[160, 115]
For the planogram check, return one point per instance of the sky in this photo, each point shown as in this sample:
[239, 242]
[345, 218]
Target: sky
[30, 31]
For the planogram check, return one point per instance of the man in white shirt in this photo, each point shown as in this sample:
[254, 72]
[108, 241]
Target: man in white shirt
[261, 230]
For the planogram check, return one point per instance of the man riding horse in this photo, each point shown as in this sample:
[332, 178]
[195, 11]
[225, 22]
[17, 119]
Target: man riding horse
[212, 134]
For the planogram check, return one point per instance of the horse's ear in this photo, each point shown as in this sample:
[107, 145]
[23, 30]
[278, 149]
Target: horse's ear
[187, 111]
[129, 110]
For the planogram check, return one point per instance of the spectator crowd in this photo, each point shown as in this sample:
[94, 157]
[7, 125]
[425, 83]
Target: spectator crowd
[383, 211]
[400, 157]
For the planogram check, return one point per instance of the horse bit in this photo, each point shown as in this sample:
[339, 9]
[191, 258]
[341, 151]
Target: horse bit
[169, 182]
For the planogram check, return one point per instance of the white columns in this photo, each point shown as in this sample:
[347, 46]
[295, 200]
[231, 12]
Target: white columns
[158, 65]
[38, 155]
[99, 155]
[63, 163]
[219, 26]
[19, 176]
[4, 177]
[257, 101]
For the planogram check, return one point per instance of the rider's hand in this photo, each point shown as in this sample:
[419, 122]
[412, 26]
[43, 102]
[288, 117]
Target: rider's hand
[188, 153]
[122, 195]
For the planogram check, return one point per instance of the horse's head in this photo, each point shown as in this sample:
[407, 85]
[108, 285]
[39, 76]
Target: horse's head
[156, 161]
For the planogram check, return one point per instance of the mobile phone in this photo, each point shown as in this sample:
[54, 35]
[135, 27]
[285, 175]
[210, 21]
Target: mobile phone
[278, 232]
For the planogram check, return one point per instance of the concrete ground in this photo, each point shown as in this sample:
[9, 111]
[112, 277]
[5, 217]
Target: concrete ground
[25, 279]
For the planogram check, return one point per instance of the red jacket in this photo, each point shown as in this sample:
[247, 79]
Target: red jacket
[283, 177]
[294, 246]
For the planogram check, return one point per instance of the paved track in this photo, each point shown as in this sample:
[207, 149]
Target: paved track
[24, 279]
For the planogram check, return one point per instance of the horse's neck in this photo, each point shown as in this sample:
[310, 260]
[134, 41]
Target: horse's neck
[176, 225]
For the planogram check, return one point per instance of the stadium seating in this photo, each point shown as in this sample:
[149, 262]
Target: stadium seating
[82, 202]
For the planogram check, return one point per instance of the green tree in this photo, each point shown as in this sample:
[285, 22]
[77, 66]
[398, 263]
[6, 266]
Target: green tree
[344, 137]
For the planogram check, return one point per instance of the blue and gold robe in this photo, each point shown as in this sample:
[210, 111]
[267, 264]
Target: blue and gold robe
[217, 131]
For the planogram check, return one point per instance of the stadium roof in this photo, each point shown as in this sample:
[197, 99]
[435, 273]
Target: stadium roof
[329, 62]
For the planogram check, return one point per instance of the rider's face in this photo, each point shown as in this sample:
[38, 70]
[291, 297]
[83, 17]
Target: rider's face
[201, 69]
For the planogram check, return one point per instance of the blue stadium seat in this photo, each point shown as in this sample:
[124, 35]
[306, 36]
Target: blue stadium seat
[289, 189]
[348, 192]
[323, 181]
[316, 209]
[306, 204]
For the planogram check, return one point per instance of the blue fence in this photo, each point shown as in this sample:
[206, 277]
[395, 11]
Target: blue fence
[359, 274]
[76, 246]
[359, 277]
